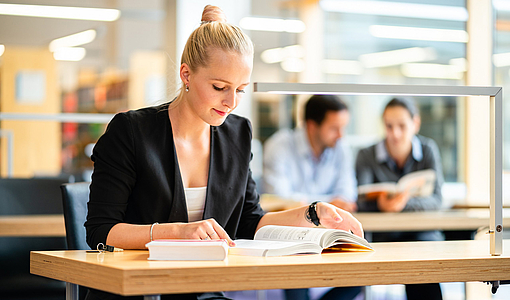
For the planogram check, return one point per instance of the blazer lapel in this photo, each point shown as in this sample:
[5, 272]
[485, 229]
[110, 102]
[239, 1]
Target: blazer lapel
[178, 210]
[219, 202]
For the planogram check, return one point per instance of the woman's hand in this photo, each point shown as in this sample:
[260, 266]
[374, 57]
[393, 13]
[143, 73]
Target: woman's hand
[394, 204]
[203, 230]
[331, 216]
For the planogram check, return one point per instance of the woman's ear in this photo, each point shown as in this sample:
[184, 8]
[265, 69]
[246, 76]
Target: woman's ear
[417, 123]
[184, 73]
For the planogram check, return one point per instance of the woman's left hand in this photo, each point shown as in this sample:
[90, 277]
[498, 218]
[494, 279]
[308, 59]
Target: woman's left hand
[331, 216]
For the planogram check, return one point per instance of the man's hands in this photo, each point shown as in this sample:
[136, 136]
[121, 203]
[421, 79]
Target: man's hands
[348, 206]
[394, 204]
[331, 216]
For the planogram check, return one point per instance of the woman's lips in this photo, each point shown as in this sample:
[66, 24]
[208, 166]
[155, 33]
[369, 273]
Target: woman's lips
[221, 113]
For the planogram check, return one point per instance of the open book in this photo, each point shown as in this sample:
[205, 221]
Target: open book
[418, 184]
[187, 249]
[273, 240]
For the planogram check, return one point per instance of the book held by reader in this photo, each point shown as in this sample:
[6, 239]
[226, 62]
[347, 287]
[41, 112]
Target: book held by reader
[418, 184]
[187, 249]
[273, 240]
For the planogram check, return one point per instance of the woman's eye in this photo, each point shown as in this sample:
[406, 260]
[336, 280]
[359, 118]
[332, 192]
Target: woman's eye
[241, 91]
[218, 88]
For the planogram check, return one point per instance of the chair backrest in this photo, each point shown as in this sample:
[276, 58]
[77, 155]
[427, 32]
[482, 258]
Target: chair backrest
[75, 197]
[28, 196]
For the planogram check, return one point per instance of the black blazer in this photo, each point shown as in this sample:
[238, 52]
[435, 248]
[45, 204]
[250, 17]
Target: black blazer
[137, 180]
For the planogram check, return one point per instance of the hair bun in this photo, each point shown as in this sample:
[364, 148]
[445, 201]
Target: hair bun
[213, 13]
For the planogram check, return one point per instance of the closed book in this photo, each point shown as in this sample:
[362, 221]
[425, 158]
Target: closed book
[187, 249]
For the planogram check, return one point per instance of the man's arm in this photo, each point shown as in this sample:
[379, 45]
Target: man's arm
[275, 175]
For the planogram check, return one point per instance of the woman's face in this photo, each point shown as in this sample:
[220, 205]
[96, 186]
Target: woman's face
[216, 89]
[400, 127]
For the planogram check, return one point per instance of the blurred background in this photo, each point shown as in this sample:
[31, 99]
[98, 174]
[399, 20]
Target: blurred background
[70, 63]
[65, 72]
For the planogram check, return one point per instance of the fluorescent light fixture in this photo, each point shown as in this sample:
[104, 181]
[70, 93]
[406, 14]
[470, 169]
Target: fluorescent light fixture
[293, 65]
[60, 12]
[460, 63]
[397, 9]
[73, 40]
[397, 57]
[271, 56]
[272, 24]
[336, 66]
[2, 49]
[69, 53]
[417, 33]
[501, 59]
[438, 71]
[501, 5]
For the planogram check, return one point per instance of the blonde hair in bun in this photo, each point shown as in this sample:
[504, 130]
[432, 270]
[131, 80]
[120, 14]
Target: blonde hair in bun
[213, 14]
[214, 32]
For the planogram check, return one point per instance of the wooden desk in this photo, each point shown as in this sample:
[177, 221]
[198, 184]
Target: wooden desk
[461, 219]
[130, 273]
[32, 226]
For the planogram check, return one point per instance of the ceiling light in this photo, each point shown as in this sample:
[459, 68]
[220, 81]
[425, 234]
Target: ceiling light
[501, 59]
[271, 56]
[73, 40]
[2, 49]
[272, 24]
[60, 12]
[460, 62]
[417, 33]
[397, 9]
[336, 66]
[397, 57]
[501, 5]
[437, 71]
[293, 64]
[69, 53]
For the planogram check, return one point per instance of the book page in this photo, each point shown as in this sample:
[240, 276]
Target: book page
[273, 248]
[373, 190]
[289, 233]
[419, 183]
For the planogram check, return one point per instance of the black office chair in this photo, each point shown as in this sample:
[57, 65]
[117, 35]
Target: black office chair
[28, 196]
[75, 197]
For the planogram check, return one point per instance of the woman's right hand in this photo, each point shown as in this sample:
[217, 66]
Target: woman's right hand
[203, 230]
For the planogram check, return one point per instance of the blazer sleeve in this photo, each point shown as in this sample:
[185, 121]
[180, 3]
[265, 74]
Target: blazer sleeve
[252, 212]
[112, 180]
[365, 175]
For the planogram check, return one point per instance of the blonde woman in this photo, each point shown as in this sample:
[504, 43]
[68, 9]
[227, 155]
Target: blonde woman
[181, 170]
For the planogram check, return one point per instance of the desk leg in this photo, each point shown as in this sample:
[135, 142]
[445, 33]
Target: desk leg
[71, 291]
[152, 297]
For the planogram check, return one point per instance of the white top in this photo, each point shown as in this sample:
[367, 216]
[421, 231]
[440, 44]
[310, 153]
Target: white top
[195, 201]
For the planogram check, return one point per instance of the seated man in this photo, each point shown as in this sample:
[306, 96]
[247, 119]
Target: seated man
[313, 164]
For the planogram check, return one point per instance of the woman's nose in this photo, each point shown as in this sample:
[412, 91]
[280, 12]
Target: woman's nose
[230, 100]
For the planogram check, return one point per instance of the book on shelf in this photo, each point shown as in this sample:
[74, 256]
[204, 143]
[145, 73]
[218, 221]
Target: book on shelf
[273, 240]
[187, 249]
[418, 184]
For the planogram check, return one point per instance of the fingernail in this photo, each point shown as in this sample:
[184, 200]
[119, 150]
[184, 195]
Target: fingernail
[232, 244]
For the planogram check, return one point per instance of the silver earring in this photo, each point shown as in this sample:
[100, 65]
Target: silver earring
[187, 88]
